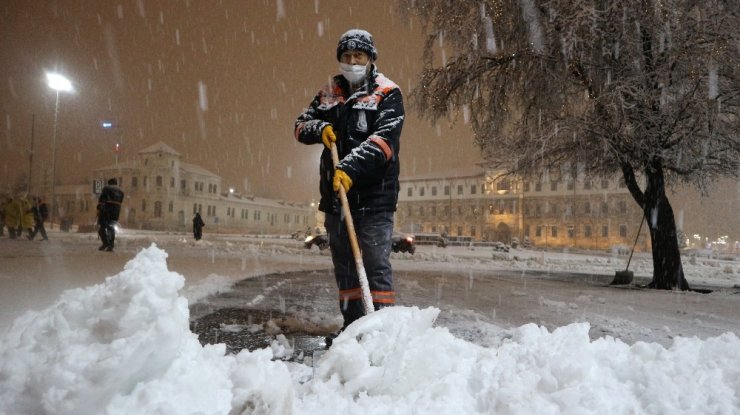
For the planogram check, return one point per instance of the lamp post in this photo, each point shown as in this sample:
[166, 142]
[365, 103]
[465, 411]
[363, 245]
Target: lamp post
[59, 84]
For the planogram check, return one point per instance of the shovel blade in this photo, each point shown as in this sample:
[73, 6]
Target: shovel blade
[622, 278]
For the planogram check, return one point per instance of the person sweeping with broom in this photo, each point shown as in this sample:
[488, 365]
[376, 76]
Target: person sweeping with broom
[358, 116]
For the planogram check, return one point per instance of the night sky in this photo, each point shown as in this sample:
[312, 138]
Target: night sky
[220, 81]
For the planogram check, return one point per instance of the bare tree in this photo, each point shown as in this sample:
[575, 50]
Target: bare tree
[645, 88]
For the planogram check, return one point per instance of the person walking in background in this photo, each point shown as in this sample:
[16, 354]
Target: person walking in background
[3, 200]
[109, 208]
[198, 225]
[12, 212]
[26, 212]
[361, 112]
[40, 215]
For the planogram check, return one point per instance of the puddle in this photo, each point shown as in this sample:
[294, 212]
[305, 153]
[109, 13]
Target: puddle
[251, 329]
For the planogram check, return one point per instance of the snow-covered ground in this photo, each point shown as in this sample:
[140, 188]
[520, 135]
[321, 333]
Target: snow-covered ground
[88, 332]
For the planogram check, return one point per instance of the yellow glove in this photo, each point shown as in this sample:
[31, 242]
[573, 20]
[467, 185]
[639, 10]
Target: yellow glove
[341, 178]
[328, 136]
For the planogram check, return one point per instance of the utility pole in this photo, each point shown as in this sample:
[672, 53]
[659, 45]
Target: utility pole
[30, 157]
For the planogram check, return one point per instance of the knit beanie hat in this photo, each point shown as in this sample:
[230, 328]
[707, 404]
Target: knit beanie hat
[357, 39]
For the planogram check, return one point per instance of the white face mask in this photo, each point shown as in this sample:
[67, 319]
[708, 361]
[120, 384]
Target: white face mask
[354, 73]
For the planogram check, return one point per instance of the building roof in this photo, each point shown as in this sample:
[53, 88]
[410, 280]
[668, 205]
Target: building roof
[160, 146]
[192, 168]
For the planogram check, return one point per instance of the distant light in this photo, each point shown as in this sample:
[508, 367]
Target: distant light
[231, 190]
[107, 124]
[58, 82]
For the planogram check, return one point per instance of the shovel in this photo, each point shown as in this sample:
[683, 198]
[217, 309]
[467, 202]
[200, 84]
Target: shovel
[367, 299]
[626, 276]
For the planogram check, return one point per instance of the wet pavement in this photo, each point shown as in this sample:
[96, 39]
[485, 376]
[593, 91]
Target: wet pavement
[475, 305]
[298, 305]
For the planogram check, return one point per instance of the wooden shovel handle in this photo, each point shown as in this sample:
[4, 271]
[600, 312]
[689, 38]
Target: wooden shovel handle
[367, 299]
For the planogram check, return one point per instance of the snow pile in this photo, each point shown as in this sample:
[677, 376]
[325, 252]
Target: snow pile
[124, 347]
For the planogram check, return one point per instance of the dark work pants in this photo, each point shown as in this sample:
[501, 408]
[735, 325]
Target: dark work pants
[107, 233]
[374, 232]
[39, 228]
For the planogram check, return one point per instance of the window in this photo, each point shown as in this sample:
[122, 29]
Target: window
[433, 211]
[538, 210]
[459, 189]
[473, 189]
[170, 207]
[172, 182]
[505, 184]
[159, 181]
[410, 191]
[569, 209]
[195, 208]
[158, 209]
[526, 231]
[554, 186]
[554, 231]
[538, 231]
[622, 184]
[570, 185]
[143, 205]
[526, 186]
[447, 190]
[587, 208]
[605, 184]
[214, 211]
[538, 187]
[571, 231]
[200, 207]
[623, 231]
[605, 231]
[434, 190]
[587, 184]
[146, 181]
[421, 191]
[183, 185]
[472, 231]
[587, 231]
[622, 206]
[134, 181]
[604, 208]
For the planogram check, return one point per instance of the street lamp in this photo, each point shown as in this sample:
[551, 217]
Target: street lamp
[59, 84]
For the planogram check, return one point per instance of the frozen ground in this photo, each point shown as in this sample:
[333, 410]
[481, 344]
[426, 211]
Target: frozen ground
[123, 345]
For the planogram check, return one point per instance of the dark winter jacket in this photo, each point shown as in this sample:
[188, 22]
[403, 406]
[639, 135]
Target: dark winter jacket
[40, 211]
[109, 204]
[368, 127]
[198, 222]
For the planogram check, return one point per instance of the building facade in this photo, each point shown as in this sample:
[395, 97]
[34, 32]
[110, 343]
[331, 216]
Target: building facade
[163, 193]
[555, 211]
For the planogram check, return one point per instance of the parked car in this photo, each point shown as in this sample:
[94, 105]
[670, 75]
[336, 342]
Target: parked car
[321, 240]
[500, 247]
[403, 242]
[430, 239]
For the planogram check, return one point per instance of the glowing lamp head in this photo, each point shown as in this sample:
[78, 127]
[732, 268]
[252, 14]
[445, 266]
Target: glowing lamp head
[58, 82]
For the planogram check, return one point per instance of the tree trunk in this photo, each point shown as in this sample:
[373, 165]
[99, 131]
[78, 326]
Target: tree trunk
[667, 269]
